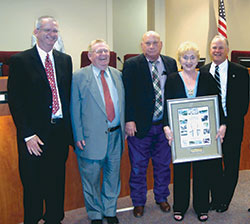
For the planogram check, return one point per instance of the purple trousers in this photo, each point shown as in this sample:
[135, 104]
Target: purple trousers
[154, 146]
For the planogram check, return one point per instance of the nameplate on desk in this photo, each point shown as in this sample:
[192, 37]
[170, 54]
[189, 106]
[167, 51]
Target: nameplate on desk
[3, 97]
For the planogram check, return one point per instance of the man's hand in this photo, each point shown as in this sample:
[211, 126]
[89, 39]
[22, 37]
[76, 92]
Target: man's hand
[80, 144]
[168, 134]
[221, 132]
[33, 146]
[130, 128]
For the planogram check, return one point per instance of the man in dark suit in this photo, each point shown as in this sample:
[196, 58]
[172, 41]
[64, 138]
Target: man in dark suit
[39, 94]
[234, 87]
[144, 79]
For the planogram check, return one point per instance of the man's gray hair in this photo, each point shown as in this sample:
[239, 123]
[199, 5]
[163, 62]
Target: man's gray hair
[38, 23]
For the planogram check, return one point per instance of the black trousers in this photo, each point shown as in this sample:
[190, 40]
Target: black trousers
[203, 172]
[43, 179]
[231, 157]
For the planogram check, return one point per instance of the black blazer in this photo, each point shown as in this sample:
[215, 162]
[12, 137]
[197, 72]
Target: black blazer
[175, 89]
[139, 91]
[237, 97]
[30, 97]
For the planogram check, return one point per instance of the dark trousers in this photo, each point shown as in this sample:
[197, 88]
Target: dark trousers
[203, 172]
[43, 179]
[154, 146]
[231, 157]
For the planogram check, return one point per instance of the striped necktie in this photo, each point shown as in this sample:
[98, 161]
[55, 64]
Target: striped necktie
[217, 78]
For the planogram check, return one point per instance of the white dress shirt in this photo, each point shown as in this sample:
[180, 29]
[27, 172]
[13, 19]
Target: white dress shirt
[223, 69]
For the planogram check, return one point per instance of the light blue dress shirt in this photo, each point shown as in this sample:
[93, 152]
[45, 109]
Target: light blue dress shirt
[112, 90]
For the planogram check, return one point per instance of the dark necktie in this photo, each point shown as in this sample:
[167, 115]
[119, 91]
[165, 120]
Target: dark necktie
[110, 110]
[217, 78]
[51, 78]
[157, 89]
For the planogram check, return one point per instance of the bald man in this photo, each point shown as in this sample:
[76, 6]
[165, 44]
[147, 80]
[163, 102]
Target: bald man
[144, 79]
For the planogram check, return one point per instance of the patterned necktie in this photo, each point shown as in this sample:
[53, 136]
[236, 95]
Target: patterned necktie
[157, 88]
[110, 110]
[217, 78]
[51, 78]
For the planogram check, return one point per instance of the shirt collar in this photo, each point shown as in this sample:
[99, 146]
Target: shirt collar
[43, 54]
[158, 60]
[221, 66]
[97, 71]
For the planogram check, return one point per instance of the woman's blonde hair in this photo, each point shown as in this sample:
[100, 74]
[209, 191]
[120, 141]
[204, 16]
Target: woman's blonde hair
[188, 46]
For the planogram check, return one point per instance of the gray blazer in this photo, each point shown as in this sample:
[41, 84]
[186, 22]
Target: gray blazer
[88, 115]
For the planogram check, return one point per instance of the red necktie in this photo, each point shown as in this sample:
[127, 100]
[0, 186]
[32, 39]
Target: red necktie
[108, 100]
[50, 75]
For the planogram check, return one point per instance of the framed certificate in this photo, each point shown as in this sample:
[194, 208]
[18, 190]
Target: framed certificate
[194, 123]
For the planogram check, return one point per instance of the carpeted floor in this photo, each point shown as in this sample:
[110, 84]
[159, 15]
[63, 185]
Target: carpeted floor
[237, 213]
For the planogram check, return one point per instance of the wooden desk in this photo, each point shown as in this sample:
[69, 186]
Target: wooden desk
[4, 109]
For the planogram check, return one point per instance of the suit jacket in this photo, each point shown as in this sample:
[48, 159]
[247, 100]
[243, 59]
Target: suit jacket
[237, 97]
[88, 114]
[139, 91]
[30, 96]
[175, 89]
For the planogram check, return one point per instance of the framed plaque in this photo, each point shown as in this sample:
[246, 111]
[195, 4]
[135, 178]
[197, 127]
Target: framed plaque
[194, 123]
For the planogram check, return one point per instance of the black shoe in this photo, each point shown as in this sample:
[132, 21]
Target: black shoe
[96, 221]
[112, 219]
[212, 206]
[222, 208]
[249, 209]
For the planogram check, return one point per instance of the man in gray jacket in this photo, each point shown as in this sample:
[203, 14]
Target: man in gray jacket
[97, 112]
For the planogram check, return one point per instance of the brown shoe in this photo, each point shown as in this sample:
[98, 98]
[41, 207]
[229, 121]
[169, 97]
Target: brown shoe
[164, 206]
[138, 211]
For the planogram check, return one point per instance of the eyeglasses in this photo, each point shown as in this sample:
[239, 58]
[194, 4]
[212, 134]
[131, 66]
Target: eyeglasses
[49, 30]
[100, 51]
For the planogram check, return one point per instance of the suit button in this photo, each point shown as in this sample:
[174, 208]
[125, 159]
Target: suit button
[106, 121]
[106, 132]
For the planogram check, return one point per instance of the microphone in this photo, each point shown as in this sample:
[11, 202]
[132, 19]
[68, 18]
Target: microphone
[120, 60]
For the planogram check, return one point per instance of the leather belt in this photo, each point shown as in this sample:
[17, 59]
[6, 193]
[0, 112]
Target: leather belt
[55, 120]
[114, 128]
[157, 122]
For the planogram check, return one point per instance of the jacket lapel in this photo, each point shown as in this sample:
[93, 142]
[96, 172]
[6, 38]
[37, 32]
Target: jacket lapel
[94, 89]
[146, 72]
[38, 65]
[119, 88]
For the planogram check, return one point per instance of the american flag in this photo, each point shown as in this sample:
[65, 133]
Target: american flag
[222, 23]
